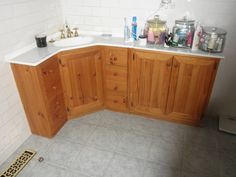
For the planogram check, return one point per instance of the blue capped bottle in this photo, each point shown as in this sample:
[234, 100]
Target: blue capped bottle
[134, 28]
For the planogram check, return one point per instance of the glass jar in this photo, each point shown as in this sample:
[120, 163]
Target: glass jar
[158, 28]
[212, 39]
[183, 32]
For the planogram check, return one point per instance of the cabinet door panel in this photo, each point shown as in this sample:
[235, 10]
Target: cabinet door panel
[149, 81]
[82, 79]
[190, 85]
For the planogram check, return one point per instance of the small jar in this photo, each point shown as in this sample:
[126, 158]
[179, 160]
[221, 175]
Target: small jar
[41, 40]
[142, 40]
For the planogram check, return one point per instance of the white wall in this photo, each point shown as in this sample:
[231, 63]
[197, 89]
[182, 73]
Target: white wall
[20, 20]
[107, 16]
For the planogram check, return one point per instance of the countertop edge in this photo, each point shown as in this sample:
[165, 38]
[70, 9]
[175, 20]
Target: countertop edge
[12, 61]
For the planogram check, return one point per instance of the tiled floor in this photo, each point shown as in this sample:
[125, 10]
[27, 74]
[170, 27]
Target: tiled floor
[110, 144]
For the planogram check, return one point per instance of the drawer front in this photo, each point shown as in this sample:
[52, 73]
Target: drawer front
[116, 102]
[116, 56]
[118, 74]
[119, 88]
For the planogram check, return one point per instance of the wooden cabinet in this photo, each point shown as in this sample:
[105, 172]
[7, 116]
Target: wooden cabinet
[76, 82]
[170, 87]
[41, 93]
[115, 67]
[190, 86]
[81, 72]
[150, 74]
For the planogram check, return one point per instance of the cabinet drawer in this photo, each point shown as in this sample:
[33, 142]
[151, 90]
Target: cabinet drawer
[119, 88]
[116, 56]
[117, 102]
[118, 74]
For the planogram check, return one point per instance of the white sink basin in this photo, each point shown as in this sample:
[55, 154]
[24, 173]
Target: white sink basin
[73, 41]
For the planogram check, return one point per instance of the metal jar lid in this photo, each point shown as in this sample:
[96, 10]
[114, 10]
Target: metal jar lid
[156, 21]
[214, 30]
[184, 21]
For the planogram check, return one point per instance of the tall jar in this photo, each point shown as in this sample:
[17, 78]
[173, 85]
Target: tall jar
[158, 28]
[183, 32]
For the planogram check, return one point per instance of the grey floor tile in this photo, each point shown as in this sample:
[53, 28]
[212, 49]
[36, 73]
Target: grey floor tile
[191, 174]
[62, 153]
[154, 170]
[166, 153]
[116, 119]
[228, 164]
[201, 160]
[121, 166]
[80, 132]
[226, 142]
[92, 161]
[203, 137]
[36, 143]
[144, 126]
[93, 118]
[106, 138]
[46, 170]
[135, 145]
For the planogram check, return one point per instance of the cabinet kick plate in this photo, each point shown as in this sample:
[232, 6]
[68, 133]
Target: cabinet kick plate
[18, 164]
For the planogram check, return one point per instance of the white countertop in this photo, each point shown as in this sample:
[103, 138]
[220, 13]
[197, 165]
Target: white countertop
[35, 56]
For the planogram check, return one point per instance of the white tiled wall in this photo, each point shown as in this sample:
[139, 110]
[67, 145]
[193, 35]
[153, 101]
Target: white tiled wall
[20, 20]
[107, 16]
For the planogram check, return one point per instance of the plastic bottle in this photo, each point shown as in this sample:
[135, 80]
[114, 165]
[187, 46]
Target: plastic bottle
[126, 31]
[134, 28]
[196, 38]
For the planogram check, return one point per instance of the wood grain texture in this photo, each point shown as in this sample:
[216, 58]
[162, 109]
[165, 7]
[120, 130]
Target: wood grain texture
[190, 86]
[42, 97]
[115, 62]
[170, 87]
[149, 81]
[81, 72]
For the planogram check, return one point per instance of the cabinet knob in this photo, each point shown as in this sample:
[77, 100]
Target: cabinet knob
[115, 58]
[115, 74]
[54, 87]
[50, 71]
[115, 88]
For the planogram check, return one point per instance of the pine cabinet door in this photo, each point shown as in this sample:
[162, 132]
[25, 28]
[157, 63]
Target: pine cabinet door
[149, 82]
[190, 87]
[81, 72]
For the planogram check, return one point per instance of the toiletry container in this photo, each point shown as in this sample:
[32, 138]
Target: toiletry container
[134, 28]
[183, 32]
[41, 40]
[212, 39]
[158, 28]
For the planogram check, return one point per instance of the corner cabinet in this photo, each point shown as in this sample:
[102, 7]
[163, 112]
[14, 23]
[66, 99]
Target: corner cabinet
[170, 87]
[81, 72]
[41, 93]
